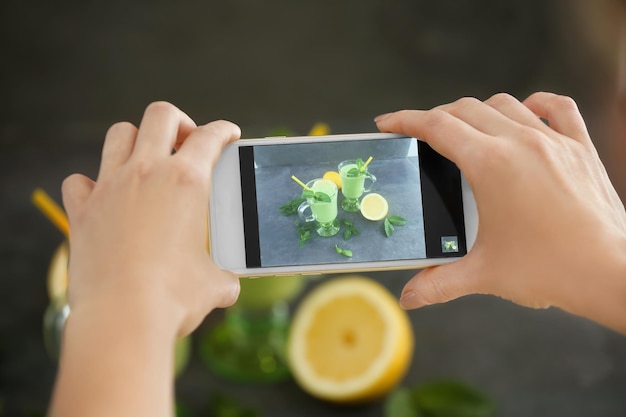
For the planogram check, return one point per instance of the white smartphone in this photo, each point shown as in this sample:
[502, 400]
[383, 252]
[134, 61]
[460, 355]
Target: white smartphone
[340, 203]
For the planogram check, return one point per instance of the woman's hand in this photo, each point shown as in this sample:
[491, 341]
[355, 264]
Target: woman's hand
[139, 274]
[138, 234]
[552, 229]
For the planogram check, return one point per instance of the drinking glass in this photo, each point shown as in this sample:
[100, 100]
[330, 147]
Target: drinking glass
[353, 186]
[322, 212]
[249, 344]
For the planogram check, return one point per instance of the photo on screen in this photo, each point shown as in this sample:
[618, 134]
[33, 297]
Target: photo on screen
[282, 234]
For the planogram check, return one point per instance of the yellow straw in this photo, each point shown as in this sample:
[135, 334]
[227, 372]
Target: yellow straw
[303, 185]
[51, 210]
[366, 163]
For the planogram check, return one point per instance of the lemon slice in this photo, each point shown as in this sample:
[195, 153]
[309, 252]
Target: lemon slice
[349, 341]
[334, 177]
[374, 207]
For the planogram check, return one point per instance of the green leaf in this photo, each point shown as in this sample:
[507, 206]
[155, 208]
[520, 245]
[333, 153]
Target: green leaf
[291, 207]
[397, 220]
[353, 172]
[344, 252]
[322, 197]
[350, 231]
[400, 404]
[389, 229]
[449, 398]
[307, 194]
[223, 406]
[304, 236]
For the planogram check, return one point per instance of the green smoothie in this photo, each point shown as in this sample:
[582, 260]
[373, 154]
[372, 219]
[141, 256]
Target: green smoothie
[324, 212]
[262, 293]
[351, 187]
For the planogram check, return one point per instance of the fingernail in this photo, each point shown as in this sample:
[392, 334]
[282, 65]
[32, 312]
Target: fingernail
[381, 117]
[407, 300]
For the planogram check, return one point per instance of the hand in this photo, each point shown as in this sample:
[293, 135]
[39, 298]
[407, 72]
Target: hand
[138, 234]
[552, 229]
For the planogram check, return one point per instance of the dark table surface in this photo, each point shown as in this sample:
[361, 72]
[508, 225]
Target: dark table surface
[68, 73]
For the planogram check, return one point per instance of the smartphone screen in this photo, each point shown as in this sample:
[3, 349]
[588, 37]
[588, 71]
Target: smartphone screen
[285, 227]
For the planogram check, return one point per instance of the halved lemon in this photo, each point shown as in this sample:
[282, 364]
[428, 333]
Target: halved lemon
[334, 177]
[349, 341]
[374, 207]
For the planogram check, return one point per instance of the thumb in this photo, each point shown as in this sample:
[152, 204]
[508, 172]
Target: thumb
[438, 284]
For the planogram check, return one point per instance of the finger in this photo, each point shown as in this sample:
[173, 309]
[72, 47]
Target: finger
[161, 127]
[221, 291]
[118, 146]
[75, 191]
[204, 145]
[562, 114]
[482, 116]
[514, 110]
[439, 284]
[448, 135]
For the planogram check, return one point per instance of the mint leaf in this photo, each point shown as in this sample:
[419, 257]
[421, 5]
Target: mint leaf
[344, 252]
[449, 398]
[322, 197]
[350, 231]
[389, 229]
[291, 207]
[304, 232]
[400, 404]
[317, 196]
[353, 172]
[397, 220]
[225, 406]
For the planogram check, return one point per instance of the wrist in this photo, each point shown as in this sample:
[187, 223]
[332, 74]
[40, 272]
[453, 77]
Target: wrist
[116, 358]
[145, 308]
[601, 292]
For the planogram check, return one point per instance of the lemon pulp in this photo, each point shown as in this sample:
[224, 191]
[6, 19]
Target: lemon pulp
[349, 341]
[345, 339]
[374, 207]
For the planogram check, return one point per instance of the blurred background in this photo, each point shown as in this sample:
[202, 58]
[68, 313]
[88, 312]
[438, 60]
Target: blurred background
[70, 69]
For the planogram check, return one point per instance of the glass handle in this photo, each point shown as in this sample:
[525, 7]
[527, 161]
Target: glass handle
[372, 178]
[301, 209]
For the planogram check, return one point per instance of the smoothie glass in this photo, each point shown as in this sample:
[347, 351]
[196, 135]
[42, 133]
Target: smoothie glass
[353, 187]
[249, 345]
[324, 213]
